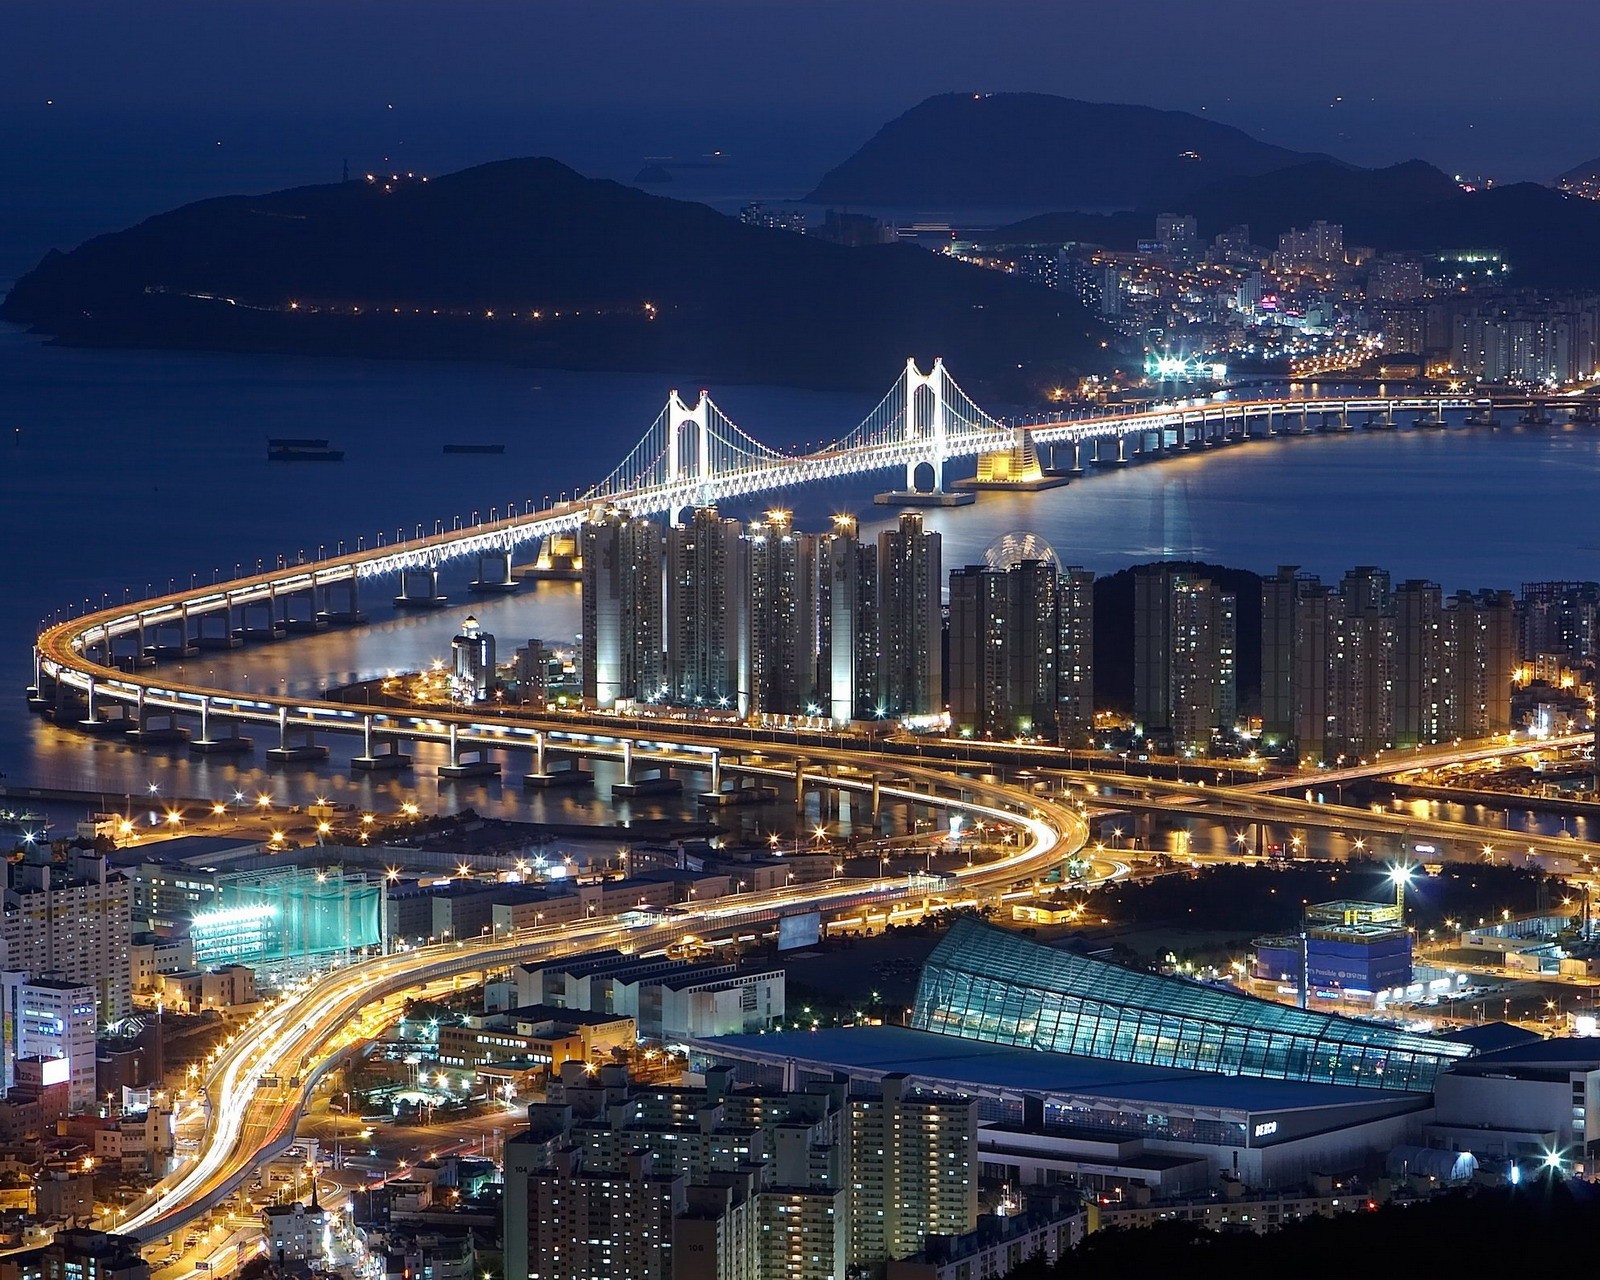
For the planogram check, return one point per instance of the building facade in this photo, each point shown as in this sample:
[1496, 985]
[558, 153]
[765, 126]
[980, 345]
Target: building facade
[623, 656]
[910, 577]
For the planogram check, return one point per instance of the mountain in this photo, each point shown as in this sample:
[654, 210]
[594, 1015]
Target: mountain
[1581, 177]
[1546, 236]
[1269, 203]
[1034, 150]
[526, 260]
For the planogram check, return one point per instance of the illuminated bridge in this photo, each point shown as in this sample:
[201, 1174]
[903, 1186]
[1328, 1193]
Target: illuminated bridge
[100, 663]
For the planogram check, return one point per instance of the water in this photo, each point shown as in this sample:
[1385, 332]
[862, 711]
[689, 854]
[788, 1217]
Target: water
[123, 471]
[133, 470]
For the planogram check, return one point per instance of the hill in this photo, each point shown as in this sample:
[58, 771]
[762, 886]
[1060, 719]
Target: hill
[1034, 150]
[527, 260]
[1546, 236]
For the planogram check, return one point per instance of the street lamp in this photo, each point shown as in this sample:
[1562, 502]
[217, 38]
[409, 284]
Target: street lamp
[1400, 877]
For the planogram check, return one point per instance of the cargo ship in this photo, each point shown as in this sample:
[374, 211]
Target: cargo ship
[301, 449]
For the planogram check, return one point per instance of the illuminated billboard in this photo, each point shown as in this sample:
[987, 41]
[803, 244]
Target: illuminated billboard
[803, 930]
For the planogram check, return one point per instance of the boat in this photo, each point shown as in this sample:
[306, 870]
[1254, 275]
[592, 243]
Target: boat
[20, 824]
[474, 448]
[303, 453]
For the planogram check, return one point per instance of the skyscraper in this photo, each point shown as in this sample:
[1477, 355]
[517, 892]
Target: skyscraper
[909, 577]
[777, 584]
[1004, 635]
[847, 623]
[622, 608]
[1375, 667]
[703, 610]
[1075, 657]
[1422, 677]
[1481, 632]
[1185, 653]
[913, 1170]
[1279, 594]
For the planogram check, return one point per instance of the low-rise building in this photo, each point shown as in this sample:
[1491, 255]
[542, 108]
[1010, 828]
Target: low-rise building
[225, 987]
[1046, 1228]
[295, 1232]
[668, 999]
[536, 1035]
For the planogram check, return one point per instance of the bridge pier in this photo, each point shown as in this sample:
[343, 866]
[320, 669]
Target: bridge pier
[419, 589]
[662, 783]
[494, 573]
[181, 649]
[94, 720]
[467, 760]
[150, 733]
[268, 608]
[296, 743]
[574, 775]
[559, 558]
[227, 640]
[348, 616]
[390, 760]
[229, 744]
[313, 621]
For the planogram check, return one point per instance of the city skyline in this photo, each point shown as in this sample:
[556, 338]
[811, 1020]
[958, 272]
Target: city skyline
[521, 825]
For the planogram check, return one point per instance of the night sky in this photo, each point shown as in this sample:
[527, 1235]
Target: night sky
[1477, 86]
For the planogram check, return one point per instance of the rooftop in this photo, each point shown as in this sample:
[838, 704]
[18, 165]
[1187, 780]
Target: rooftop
[953, 1064]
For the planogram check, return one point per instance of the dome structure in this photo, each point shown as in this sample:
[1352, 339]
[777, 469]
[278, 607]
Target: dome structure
[1011, 549]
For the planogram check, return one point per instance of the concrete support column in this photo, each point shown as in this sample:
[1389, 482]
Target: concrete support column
[627, 760]
[538, 753]
[455, 757]
[283, 728]
[800, 787]
[716, 772]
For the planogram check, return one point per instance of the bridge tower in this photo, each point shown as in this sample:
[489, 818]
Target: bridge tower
[684, 464]
[929, 430]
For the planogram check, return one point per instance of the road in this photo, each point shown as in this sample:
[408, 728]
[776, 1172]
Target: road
[299, 1036]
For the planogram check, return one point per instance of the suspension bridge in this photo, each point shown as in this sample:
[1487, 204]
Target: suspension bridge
[691, 455]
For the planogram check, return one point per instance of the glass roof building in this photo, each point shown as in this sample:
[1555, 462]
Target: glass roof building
[991, 985]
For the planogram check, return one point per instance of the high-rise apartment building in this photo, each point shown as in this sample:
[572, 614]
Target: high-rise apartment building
[1279, 596]
[910, 583]
[1559, 619]
[776, 587]
[913, 1170]
[703, 610]
[1185, 652]
[622, 608]
[1004, 639]
[1481, 634]
[1075, 657]
[54, 1019]
[72, 922]
[1423, 664]
[848, 634]
[1374, 666]
[1342, 680]
[617, 1181]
